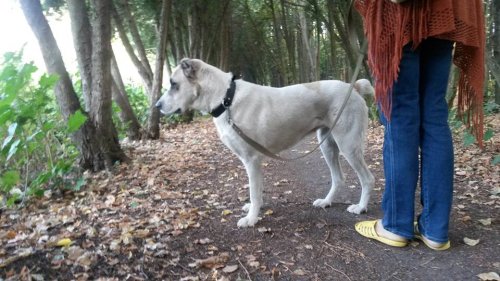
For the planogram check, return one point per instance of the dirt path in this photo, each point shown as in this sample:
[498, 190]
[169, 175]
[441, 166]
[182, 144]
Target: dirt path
[178, 202]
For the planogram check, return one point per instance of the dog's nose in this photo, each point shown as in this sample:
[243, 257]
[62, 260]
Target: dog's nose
[158, 104]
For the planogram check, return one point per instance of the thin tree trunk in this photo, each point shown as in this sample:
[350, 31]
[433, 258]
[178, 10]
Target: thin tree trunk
[136, 37]
[281, 75]
[82, 40]
[120, 97]
[495, 42]
[146, 78]
[154, 117]
[101, 104]
[452, 89]
[307, 50]
[288, 36]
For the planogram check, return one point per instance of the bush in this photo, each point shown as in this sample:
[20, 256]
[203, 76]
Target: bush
[35, 151]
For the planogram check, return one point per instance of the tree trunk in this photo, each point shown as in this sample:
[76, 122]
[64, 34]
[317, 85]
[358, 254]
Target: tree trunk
[340, 23]
[82, 41]
[308, 51]
[136, 37]
[495, 44]
[85, 138]
[100, 104]
[146, 78]
[281, 74]
[289, 41]
[225, 38]
[153, 131]
[120, 97]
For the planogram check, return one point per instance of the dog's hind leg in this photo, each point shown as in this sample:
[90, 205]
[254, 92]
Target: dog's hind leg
[255, 178]
[355, 158]
[330, 152]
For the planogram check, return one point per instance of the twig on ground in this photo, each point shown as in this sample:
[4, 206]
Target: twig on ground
[341, 272]
[346, 249]
[248, 274]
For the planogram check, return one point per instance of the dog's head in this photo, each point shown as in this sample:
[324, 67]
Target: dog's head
[184, 88]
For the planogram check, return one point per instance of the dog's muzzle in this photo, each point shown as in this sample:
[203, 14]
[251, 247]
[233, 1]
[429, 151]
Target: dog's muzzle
[158, 104]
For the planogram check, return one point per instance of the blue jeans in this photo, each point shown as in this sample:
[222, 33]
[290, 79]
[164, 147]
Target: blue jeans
[419, 127]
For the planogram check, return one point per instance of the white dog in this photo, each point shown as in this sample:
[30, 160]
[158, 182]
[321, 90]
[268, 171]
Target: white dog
[277, 118]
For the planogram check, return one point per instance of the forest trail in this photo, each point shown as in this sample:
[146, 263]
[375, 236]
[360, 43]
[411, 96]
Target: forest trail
[171, 213]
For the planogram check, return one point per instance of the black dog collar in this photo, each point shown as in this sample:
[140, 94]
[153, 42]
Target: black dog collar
[227, 101]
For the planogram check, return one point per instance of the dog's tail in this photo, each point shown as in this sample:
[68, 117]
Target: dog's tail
[364, 87]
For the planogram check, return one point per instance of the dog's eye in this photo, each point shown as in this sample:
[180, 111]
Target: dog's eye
[174, 85]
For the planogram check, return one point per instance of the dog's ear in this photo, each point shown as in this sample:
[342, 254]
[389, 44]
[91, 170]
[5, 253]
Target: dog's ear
[190, 68]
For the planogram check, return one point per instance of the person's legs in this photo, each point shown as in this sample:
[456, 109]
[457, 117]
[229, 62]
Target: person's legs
[401, 146]
[435, 141]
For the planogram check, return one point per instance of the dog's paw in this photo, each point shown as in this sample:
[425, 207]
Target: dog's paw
[247, 222]
[246, 207]
[356, 209]
[322, 203]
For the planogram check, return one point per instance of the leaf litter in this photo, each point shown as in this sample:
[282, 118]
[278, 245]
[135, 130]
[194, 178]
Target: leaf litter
[154, 217]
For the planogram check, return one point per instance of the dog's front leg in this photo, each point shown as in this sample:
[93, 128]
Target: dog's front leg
[254, 172]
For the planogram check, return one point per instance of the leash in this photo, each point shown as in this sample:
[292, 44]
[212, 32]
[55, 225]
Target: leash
[270, 154]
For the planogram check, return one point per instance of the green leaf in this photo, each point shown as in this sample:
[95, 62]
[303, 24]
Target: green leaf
[496, 160]
[488, 134]
[11, 132]
[13, 149]
[48, 81]
[12, 200]
[469, 139]
[75, 121]
[78, 185]
[9, 179]
[38, 192]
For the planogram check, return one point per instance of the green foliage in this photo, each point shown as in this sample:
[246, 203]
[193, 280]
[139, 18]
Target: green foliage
[139, 102]
[491, 108]
[496, 160]
[35, 152]
[75, 121]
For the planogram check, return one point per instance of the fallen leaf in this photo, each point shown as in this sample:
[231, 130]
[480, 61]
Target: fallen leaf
[489, 276]
[485, 221]
[254, 263]
[212, 262]
[10, 235]
[110, 199]
[190, 278]
[226, 212]
[465, 218]
[471, 242]
[495, 191]
[230, 268]
[299, 272]
[268, 212]
[264, 229]
[141, 233]
[203, 241]
[65, 242]
[115, 245]
[275, 273]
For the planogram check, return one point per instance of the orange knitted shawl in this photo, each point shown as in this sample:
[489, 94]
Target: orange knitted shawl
[389, 26]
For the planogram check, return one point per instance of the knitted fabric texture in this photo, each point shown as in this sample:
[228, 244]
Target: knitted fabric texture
[390, 26]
